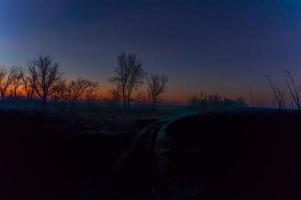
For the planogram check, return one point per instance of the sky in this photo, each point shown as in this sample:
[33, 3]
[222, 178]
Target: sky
[220, 46]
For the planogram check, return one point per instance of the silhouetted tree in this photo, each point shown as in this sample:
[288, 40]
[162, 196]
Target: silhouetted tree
[128, 76]
[5, 81]
[16, 74]
[3, 73]
[43, 73]
[91, 91]
[79, 87]
[60, 90]
[205, 101]
[27, 86]
[156, 85]
[240, 101]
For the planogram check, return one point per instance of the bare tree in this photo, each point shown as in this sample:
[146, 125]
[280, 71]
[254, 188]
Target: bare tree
[128, 76]
[77, 88]
[91, 91]
[43, 73]
[3, 73]
[156, 85]
[16, 75]
[5, 81]
[59, 90]
[27, 84]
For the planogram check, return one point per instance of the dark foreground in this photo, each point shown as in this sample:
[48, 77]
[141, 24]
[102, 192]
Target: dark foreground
[243, 155]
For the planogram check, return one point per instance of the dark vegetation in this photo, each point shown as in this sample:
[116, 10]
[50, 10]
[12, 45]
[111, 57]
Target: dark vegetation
[236, 155]
[46, 156]
[214, 102]
[42, 80]
[243, 154]
[287, 96]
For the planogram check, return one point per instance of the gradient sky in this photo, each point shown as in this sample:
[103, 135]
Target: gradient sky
[224, 46]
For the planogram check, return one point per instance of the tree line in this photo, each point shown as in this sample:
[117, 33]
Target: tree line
[129, 76]
[204, 101]
[42, 79]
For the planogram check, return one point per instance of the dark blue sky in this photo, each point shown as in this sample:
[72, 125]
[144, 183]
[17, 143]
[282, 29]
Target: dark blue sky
[215, 46]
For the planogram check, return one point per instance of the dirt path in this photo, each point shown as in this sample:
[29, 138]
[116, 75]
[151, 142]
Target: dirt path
[143, 164]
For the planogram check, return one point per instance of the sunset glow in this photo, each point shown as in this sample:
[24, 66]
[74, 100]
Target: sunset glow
[221, 48]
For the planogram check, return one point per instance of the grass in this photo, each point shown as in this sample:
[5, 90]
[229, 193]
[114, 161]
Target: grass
[242, 154]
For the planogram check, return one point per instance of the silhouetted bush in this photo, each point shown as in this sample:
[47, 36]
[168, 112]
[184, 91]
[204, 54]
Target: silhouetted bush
[211, 102]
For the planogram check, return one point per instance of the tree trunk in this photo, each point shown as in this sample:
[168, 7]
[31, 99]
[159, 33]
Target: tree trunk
[44, 102]
[124, 99]
[154, 107]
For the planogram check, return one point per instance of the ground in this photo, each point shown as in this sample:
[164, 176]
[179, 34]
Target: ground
[245, 154]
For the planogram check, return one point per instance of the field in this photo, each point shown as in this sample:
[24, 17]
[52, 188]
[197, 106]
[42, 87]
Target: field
[101, 154]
